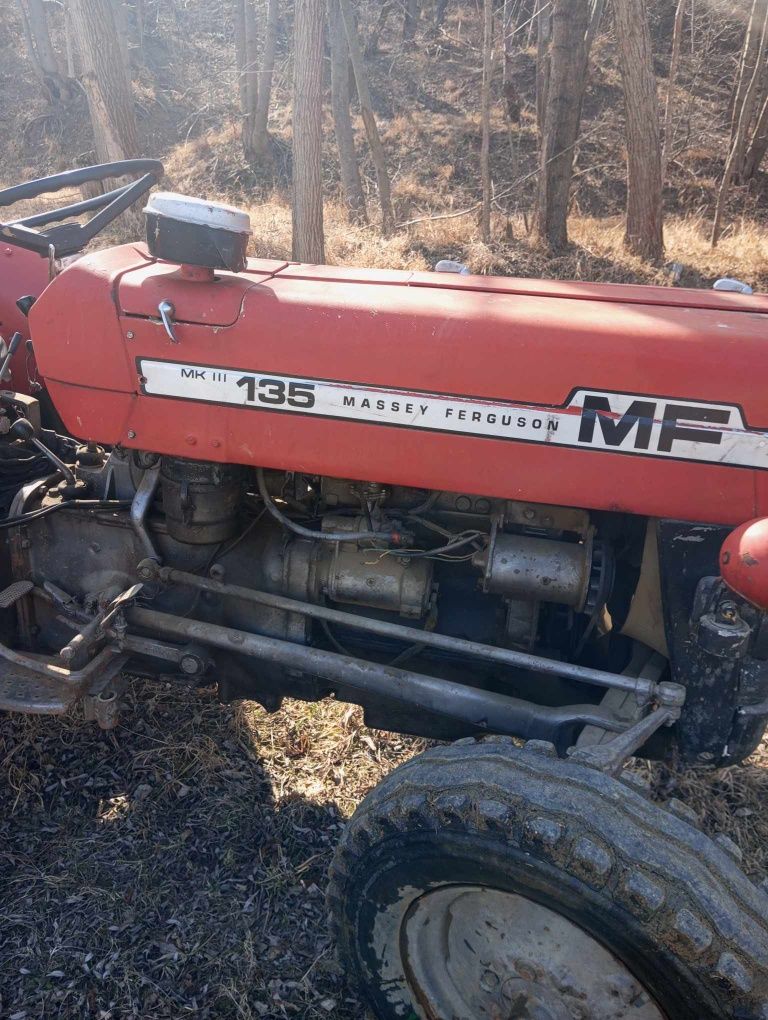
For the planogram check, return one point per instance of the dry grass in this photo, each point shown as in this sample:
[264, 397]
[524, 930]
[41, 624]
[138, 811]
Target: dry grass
[597, 251]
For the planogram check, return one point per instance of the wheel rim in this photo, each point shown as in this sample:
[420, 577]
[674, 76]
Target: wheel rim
[474, 953]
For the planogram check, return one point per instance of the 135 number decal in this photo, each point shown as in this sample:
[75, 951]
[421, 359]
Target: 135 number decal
[277, 392]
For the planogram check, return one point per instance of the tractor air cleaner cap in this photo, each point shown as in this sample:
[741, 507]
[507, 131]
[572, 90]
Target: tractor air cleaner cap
[744, 562]
[196, 232]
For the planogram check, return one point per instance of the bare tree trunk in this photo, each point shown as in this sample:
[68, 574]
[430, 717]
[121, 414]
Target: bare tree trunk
[750, 57]
[369, 119]
[250, 78]
[308, 238]
[751, 96]
[645, 232]
[410, 19]
[260, 134]
[140, 29]
[758, 146]
[511, 98]
[372, 45]
[41, 51]
[595, 18]
[543, 60]
[562, 119]
[485, 151]
[121, 23]
[105, 79]
[92, 32]
[69, 45]
[736, 154]
[238, 17]
[674, 62]
[239, 21]
[340, 99]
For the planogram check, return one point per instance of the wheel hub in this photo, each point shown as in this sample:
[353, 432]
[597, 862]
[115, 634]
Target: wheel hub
[473, 953]
[529, 1000]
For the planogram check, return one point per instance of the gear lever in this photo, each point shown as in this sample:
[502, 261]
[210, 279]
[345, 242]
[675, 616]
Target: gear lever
[23, 429]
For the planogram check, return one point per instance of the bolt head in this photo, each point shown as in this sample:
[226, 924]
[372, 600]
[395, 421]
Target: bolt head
[131, 434]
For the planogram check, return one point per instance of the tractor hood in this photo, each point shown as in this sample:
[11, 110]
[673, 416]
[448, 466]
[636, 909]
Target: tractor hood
[645, 399]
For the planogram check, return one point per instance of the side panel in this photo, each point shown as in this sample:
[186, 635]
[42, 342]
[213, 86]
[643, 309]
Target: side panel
[76, 330]
[22, 273]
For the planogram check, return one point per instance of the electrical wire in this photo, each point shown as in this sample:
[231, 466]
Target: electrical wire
[323, 536]
[74, 504]
[462, 539]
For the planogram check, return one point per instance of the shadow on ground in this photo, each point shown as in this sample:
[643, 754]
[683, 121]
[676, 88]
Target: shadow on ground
[158, 872]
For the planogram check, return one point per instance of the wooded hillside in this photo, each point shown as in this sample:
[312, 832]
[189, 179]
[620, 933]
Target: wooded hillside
[506, 130]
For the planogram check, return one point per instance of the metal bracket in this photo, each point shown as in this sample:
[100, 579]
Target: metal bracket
[612, 756]
[91, 632]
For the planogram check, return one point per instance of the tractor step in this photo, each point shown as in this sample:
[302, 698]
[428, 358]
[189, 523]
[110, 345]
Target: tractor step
[14, 592]
[37, 685]
[24, 690]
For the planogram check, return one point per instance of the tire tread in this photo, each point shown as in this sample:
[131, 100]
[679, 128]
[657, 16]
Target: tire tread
[688, 891]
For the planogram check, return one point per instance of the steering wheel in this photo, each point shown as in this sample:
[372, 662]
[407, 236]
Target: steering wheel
[70, 238]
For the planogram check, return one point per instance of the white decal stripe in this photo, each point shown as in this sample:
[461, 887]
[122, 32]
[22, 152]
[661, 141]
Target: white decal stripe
[654, 426]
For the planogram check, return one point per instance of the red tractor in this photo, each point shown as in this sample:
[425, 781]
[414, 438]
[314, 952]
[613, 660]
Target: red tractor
[526, 519]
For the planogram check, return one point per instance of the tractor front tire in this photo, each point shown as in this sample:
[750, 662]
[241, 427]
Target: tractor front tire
[481, 881]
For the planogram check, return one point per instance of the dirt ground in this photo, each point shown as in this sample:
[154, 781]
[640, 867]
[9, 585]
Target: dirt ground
[176, 867]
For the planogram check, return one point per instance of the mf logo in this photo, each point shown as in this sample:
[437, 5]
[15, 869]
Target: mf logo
[643, 423]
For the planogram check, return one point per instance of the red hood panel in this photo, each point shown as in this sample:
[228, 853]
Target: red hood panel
[247, 380]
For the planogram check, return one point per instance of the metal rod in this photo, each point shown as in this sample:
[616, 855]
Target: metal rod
[612, 756]
[67, 472]
[13, 346]
[645, 689]
[483, 710]
[142, 501]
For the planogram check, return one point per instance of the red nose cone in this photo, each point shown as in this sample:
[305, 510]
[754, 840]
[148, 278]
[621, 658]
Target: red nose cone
[744, 561]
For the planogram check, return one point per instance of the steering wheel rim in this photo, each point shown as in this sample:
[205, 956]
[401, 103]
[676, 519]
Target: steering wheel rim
[70, 238]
